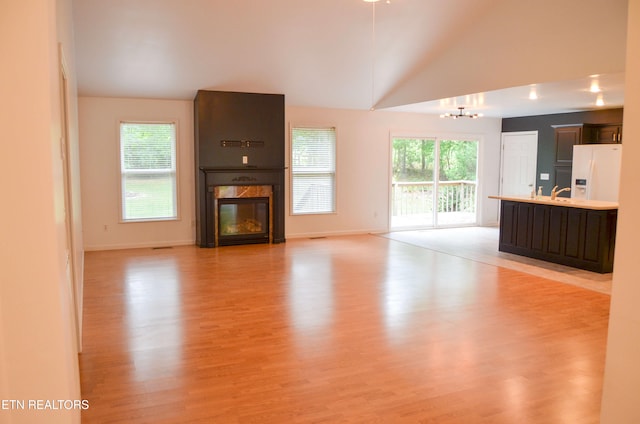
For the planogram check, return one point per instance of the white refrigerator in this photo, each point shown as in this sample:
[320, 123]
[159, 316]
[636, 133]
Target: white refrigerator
[595, 174]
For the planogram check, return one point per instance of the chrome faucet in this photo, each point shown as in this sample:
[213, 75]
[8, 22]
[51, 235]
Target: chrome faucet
[555, 191]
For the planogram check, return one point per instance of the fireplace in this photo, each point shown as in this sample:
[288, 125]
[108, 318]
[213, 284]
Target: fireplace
[239, 206]
[243, 214]
[239, 157]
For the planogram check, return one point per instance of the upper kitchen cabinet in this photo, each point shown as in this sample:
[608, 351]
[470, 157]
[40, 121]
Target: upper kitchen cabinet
[608, 133]
[566, 136]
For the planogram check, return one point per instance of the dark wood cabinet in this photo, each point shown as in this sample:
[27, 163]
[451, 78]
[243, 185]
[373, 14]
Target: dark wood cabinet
[581, 238]
[607, 134]
[524, 226]
[566, 136]
[563, 178]
[555, 240]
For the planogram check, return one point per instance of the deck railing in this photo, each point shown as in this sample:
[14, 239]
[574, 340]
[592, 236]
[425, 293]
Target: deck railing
[411, 198]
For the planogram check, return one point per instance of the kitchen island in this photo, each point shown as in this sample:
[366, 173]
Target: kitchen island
[577, 233]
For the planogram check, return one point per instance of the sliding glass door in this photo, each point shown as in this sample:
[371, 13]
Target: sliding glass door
[413, 183]
[434, 182]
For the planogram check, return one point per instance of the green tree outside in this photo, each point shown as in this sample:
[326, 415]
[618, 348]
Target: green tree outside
[413, 160]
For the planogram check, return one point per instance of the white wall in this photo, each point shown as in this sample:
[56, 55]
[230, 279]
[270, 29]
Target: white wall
[99, 125]
[363, 155]
[620, 403]
[363, 165]
[38, 340]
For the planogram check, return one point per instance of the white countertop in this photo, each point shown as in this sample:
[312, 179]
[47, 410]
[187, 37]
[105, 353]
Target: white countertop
[561, 201]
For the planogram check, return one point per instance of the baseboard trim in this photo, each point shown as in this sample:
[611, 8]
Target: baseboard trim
[333, 233]
[142, 245]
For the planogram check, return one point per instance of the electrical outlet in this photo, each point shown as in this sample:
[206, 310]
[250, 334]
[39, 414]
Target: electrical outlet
[544, 177]
[245, 160]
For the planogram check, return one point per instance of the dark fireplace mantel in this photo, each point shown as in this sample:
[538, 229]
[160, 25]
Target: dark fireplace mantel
[211, 178]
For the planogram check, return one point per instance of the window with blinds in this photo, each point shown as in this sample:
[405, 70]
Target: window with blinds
[148, 171]
[313, 170]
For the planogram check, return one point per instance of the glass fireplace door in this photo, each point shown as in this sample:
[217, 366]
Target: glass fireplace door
[243, 220]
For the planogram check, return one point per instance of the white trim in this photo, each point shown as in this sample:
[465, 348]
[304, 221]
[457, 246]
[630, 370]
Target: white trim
[141, 245]
[334, 233]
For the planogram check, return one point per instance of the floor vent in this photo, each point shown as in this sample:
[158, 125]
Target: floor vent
[162, 247]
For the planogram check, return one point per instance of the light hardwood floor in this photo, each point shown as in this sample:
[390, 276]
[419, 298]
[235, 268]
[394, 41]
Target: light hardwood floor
[358, 329]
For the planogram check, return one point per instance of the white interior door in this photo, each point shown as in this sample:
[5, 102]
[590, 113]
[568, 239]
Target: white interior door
[518, 163]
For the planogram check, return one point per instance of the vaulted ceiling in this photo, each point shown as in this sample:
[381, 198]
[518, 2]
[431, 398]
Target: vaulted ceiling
[426, 56]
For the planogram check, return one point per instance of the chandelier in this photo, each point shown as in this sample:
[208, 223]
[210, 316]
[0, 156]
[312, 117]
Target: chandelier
[461, 114]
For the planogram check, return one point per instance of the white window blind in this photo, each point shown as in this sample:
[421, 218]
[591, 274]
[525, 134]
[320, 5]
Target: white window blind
[313, 170]
[148, 170]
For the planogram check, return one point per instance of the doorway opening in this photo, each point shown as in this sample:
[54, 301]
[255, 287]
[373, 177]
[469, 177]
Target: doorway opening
[434, 183]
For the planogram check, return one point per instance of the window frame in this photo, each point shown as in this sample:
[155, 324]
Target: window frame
[334, 173]
[175, 172]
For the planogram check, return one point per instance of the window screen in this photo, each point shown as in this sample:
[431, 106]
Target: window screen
[148, 171]
[313, 170]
